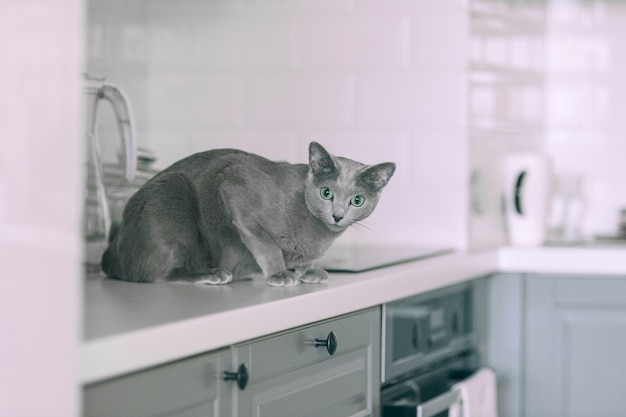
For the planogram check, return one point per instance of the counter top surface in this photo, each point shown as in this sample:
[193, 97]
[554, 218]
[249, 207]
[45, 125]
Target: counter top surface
[132, 326]
[586, 260]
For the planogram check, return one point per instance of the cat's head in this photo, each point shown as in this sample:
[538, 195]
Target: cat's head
[340, 191]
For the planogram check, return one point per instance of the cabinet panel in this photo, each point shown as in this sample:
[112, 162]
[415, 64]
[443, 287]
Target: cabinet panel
[291, 378]
[591, 362]
[335, 388]
[505, 341]
[575, 346]
[191, 388]
[288, 377]
[601, 291]
[295, 348]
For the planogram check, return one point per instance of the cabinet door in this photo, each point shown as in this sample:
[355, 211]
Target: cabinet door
[189, 388]
[575, 346]
[289, 377]
[505, 345]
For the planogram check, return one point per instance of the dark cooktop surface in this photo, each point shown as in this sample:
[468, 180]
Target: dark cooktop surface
[357, 258]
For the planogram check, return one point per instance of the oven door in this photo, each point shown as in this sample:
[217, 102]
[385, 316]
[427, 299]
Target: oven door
[426, 395]
[425, 329]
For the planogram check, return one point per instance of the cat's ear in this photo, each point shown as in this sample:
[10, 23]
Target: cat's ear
[321, 162]
[377, 176]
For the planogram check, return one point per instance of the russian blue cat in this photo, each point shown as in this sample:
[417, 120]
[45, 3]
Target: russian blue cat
[224, 214]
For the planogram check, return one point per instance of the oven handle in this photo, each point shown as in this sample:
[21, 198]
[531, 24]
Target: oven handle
[438, 404]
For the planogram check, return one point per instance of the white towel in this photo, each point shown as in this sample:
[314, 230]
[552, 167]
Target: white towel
[478, 396]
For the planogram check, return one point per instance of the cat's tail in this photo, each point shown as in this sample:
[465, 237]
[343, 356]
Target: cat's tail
[113, 232]
[109, 262]
[106, 261]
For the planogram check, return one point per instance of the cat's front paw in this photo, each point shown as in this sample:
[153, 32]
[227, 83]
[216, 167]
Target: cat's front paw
[217, 276]
[313, 275]
[283, 279]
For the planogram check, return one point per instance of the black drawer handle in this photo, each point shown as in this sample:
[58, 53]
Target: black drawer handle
[241, 376]
[330, 343]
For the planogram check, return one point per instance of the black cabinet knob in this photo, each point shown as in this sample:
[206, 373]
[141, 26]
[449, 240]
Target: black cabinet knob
[241, 376]
[330, 343]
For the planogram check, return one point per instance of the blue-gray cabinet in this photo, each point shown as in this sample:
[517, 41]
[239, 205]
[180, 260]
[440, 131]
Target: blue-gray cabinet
[330, 368]
[505, 339]
[188, 388]
[558, 344]
[292, 377]
[575, 349]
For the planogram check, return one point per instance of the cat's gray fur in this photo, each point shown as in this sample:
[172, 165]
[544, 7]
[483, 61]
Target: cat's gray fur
[225, 214]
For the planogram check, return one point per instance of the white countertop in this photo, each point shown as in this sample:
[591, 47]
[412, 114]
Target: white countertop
[596, 260]
[131, 326]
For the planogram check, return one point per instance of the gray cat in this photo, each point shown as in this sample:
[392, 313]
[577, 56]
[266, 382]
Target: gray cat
[224, 214]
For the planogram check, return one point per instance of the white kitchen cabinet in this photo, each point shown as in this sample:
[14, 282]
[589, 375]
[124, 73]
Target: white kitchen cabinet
[285, 374]
[575, 346]
[291, 377]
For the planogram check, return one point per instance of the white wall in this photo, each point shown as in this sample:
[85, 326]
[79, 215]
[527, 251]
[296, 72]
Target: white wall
[371, 80]
[548, 78]
[40, 207]
[506, 104]
[587, 104]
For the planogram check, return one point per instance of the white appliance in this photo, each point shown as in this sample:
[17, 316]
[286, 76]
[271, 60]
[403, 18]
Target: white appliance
[527, 182]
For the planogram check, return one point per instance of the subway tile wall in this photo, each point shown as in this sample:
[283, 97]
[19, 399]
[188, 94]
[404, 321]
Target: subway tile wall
[506, 111]
[587, 103]
[371, 80]
[547, 78]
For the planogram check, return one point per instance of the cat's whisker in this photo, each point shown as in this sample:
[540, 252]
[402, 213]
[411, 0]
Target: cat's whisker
[367, 228]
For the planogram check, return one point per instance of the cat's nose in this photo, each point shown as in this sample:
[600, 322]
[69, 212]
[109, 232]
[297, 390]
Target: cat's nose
[337, 218]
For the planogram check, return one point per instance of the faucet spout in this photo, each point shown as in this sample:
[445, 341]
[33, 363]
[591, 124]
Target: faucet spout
[125, 123]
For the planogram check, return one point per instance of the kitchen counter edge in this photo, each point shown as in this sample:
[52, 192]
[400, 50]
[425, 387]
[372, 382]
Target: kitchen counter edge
[119, 354]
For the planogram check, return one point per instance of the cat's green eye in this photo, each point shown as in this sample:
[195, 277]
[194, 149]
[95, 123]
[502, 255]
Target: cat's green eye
[326, 193]
[357, 200]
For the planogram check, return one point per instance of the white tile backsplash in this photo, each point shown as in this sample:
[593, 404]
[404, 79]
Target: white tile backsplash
[194, 101]
[296, 100]
[418, 99]
[506, 105]
[437, 158]
[303, 7]
[274, 145]
[411, 5]
[170, 146]
[556, 85]
[431, 217]
[586, 96]
[356, 43]
[440, 40]
[378, 79]
[240, 42]
[364, 78]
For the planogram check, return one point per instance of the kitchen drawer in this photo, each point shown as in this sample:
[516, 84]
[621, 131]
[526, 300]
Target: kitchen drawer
[293, 349]
[190, 388]
[291, 377]
[339, 387]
